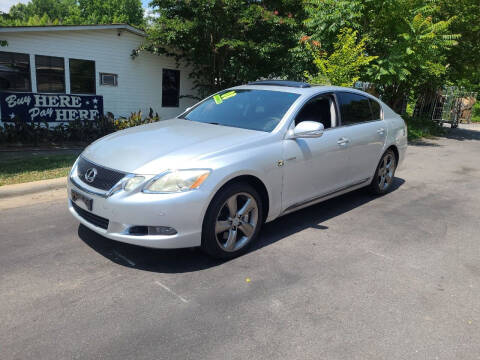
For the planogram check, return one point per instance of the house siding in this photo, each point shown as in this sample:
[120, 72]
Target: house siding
[139, 79]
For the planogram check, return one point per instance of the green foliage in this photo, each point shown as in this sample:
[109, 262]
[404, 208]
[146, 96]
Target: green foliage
[229, 42]
[344, 65]
[86, 131]
[464, 66]
[422, 128]
[416, 60]
[325, 19]
[476, 112]
[410, 38]
[135, 119]
[111, 11]
[54, 12]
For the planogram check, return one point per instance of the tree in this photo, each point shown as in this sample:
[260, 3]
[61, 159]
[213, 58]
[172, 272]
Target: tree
[417, 60]
[41, 12]
[410, 39]
[325, 19]
[344, 65]
[228, 42]
[464, 67]
[111, 11]
[53, 12]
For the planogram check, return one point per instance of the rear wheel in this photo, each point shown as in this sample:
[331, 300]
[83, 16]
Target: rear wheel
[232, 222]
[383, 179]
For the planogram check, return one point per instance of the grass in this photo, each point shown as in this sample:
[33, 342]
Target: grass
[422, 128]
[35, 167]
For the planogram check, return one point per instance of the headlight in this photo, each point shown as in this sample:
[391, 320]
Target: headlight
[177, 181]
[129, 183]
[133, 182]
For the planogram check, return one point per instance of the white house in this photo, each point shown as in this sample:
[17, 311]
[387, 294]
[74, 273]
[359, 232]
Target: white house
[60, 73]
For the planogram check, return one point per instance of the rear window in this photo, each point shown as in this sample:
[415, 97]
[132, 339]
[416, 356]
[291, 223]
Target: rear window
[354, 108]
[247, 108]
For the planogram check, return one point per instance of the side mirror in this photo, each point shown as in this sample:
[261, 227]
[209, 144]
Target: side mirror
[306, 129]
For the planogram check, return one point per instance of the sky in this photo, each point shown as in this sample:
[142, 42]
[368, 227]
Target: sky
[6, 4]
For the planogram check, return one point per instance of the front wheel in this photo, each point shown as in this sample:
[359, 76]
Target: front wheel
[383, 179]
[232, 222]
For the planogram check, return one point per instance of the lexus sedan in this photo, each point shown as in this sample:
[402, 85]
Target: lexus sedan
[244, 156]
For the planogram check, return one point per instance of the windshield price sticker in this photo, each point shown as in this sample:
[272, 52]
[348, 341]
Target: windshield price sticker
[219, 98]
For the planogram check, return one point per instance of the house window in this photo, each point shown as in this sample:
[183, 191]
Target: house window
[82, 76]
[50, 74]
[15, 71]
[108, 79]
[170, 88]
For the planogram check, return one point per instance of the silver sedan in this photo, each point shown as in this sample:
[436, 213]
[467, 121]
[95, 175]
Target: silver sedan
[244, 156]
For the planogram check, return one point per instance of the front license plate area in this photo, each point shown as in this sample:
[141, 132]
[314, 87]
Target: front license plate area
[82, 199]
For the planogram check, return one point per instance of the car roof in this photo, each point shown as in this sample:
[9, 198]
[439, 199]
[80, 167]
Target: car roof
[311, 90]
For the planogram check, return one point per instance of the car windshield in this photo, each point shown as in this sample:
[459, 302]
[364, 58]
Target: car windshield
[248, 109]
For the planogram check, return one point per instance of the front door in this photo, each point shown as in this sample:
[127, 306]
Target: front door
[315, 166]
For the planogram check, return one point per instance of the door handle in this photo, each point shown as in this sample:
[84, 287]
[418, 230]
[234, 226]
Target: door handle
[343, 141]
[381, 131]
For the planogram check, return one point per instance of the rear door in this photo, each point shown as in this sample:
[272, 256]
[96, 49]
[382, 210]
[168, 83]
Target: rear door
[366, 133]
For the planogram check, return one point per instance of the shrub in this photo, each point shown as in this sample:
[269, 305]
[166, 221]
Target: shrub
[135, 119]
[422, 127]
[78, 131]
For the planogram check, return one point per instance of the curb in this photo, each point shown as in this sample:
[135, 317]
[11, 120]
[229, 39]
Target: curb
[33, 187]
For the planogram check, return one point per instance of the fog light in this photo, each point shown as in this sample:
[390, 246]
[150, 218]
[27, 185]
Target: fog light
[138, 230]
[161, 230]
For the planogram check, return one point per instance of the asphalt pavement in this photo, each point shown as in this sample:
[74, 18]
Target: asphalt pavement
[357, 277]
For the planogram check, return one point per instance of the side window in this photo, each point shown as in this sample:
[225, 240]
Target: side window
[354, 108]
[376, 110]
[316, 109]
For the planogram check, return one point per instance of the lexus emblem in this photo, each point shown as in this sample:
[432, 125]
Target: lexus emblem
[90, 175]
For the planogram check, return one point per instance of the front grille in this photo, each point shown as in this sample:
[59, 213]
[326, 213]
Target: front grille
[90, 217]
[105, 178]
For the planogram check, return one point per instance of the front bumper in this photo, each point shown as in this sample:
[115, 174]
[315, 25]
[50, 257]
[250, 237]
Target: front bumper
[181, 211]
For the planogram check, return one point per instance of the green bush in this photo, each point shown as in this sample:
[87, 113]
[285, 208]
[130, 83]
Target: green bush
[422, 127]
[79, 131]
[476, 112]
[135, 119]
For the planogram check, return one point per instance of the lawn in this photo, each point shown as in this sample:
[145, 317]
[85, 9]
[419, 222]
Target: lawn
[33, 167]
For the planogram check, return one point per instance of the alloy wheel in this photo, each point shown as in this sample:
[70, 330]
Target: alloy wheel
[236, 222]
[386, 171]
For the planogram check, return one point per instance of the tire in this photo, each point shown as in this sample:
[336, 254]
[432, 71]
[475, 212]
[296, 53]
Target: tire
[232, 222]
[384, 174]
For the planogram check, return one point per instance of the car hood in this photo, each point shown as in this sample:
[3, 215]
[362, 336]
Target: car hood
[176, 143]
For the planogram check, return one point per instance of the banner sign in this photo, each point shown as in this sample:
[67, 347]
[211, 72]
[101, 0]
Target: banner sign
[49, 107]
